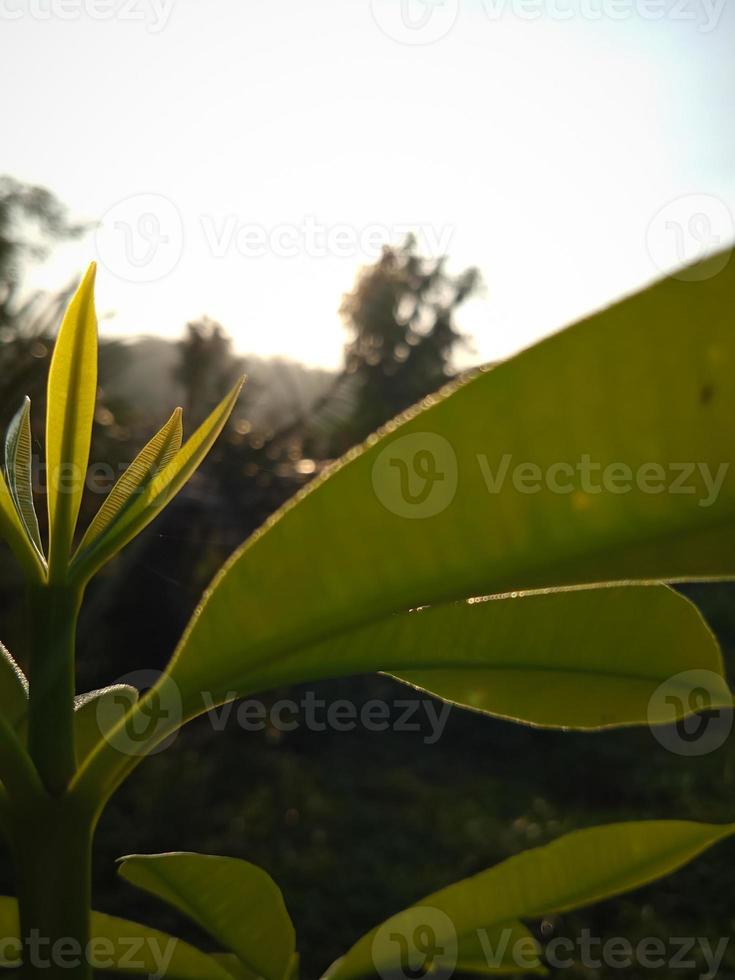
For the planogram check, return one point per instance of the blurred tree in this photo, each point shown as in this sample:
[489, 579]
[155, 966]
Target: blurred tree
[401, 316]
[31, 220]
[207, 367]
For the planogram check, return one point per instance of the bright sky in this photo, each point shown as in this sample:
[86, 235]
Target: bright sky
[247, 157]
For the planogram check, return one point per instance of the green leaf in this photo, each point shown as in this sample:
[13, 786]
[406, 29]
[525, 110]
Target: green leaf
[238, 904]
[124, 947]
[542, 659]
[18, 447]
[96, 712]
[156, 492]
[574, 871]
[72, 389]
[13, 531]
[236, 969]
[506, 950]
[13, 689]
[645, 383]
[423, 941]
[153, 458]
[538, 658]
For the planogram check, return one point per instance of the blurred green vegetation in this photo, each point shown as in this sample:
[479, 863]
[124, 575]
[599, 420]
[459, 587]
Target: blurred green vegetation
[352, 825]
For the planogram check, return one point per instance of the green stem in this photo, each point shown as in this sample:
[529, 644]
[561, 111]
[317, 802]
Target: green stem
[53, 854]
[54, 610]
[52, 831]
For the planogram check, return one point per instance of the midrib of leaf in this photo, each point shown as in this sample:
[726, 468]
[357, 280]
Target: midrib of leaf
[69, 431]
[66, 378]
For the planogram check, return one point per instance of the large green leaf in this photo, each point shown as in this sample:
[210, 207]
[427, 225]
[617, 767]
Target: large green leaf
[645, 383]
[585, 658]
[154, 493]
[239, 905]
[540, 658]
[154, 457]
[576, 870]
[18, 468]
[72, 389]
[124, 947]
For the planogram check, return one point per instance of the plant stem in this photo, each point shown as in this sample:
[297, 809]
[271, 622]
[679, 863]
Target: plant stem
[53, 853]
[54, 610]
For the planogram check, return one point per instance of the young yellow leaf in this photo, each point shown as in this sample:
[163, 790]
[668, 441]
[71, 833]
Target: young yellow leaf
[156, 493]
[72, 386]
[18, 469]
[13, 531]
[155, 457]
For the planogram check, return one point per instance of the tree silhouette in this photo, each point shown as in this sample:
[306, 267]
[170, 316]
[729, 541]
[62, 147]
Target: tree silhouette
[401, 317]
[31, 220]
